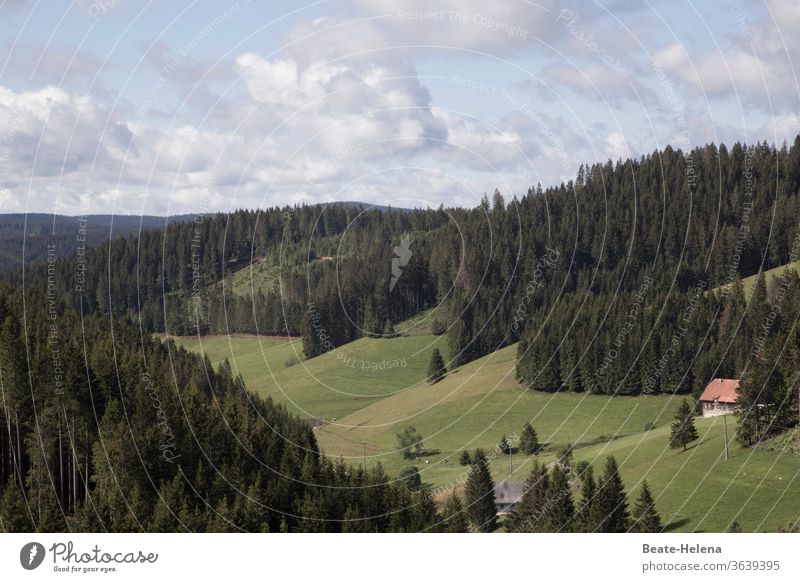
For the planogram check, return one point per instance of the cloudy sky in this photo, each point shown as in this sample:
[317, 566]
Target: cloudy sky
[196, 106]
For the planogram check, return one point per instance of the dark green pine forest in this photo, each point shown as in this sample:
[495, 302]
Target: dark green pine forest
[107, 429]
[626, 280]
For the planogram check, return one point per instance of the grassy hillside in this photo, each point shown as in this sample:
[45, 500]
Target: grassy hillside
[748, 283]
[250, 355]
[329, 386]
[478, 403]
[262, 274]
[698, 490]
[422, 322]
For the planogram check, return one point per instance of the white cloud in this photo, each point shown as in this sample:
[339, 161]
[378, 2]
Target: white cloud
[617, 146]
[757, 65]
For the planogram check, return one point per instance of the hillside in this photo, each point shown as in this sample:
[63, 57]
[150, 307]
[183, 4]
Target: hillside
[331, 385]
[68, 233]
[478, 403]
[698, 490]
[770, 277]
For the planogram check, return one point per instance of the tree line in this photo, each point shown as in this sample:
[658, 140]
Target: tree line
[623, 281]
[106, 429]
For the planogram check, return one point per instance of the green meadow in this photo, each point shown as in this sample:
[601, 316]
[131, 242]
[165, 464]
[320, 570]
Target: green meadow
[374, 388]
[749, 283]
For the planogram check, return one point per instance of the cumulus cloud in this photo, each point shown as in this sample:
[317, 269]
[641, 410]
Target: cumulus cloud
[343, 110]
[756, 65]
[50, 132]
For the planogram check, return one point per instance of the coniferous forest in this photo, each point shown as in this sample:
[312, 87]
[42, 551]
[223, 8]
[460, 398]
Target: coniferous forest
[626, 280]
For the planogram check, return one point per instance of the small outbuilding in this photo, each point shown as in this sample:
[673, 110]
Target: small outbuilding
[507, 494]
[719, 397]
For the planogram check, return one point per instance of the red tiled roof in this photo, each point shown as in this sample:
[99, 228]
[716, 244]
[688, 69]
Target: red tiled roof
[722, 390]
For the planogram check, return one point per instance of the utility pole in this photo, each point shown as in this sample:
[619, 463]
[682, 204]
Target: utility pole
[725, 421]
[365, 456]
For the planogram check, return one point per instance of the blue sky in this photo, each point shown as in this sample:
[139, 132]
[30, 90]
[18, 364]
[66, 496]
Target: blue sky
[167, 107]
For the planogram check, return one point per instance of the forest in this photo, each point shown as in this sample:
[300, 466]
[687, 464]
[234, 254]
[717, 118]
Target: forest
[29, 238]
[636, 233]
[108, 430]
[626, 280]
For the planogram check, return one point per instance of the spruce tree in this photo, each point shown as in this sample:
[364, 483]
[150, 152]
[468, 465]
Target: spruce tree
[454, 518]
[766, 403]
[609, 512]
[353, 521]
[683, 429]
[584, 515]
[503, 446]
[644, 517]
[528, 441]
[559, 503]
[423, 512]
[481, 509]
[565, 455]
[436, 368]
[529, 515]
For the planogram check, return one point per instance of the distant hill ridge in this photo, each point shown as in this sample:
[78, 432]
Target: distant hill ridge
[66, 233]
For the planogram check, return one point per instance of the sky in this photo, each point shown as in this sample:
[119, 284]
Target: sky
[116, 106]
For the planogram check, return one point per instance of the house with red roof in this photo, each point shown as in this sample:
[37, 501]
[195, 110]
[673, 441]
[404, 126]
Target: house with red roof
[719, 397]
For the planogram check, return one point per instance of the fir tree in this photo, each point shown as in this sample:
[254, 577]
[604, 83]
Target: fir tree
[353, 522]
[766, 405]
[609, 512]
[454, 518]
[644, 517]
[479, 491]
[683, 430]
[559, 503]
[529, 442]
[565, 455]
[436, 367]
[584, 516]
[423, 512]
[410, 476]
[464, 459]
[529, 515]
[503, 446]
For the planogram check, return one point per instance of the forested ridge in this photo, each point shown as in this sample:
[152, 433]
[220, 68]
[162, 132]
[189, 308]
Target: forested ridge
[556, 270]
[104, 429]
[626, 280]
[28, 238]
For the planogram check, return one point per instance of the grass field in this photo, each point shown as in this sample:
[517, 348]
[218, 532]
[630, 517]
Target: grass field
[422, 323]
[262, 274]
[476, 404]
[698, 490]
[329, 386]
[749, 283]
